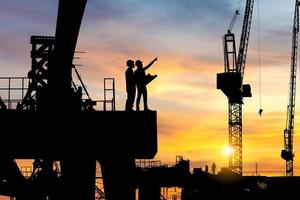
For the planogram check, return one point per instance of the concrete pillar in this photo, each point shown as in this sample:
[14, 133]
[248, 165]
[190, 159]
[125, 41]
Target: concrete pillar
[78, 177]
[118, 178]
[149, 192]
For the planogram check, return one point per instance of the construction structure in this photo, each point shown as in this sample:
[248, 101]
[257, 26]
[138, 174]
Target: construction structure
[54, 124]
[231, 84]
[69, 140]
[288, 153]
[196, 183]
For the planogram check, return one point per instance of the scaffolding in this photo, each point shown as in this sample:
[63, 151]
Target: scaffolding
[172, 193]
[99, 187]
[26, 171]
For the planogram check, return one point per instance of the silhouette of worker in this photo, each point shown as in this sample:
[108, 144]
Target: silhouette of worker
[213, 168]
[141, 82]
[206, 168]
[130, 85]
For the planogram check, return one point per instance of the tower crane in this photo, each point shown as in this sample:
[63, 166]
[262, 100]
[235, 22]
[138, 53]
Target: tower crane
[287, 154]
[231, 84]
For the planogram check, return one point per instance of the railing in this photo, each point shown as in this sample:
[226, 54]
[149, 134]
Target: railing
[146, 163]
[12, 90]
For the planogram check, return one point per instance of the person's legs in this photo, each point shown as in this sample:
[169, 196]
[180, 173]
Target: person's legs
[130, 99]
[145, 98]
[127, 107]
[138, 98]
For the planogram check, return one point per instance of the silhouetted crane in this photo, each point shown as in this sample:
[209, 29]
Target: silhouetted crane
[231, 84]
[287, 154]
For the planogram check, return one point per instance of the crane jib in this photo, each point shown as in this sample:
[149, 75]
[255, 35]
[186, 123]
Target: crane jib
[245, 37]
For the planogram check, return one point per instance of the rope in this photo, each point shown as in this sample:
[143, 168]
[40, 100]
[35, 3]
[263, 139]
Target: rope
[259, 57]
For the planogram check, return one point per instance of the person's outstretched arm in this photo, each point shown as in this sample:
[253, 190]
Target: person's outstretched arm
[151, 63]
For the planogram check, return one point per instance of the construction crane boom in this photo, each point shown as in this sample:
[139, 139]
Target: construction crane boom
[287, 154]
[231, 84]
[245, 37]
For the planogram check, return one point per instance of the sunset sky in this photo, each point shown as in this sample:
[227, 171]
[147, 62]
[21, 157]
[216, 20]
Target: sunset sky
[185, 35]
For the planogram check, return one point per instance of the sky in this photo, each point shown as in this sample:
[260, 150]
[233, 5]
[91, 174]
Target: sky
[185, 35]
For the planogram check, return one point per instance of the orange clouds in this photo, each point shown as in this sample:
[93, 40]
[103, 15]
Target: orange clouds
[192, 113]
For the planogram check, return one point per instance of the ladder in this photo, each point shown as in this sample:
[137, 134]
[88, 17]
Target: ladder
[109, 93]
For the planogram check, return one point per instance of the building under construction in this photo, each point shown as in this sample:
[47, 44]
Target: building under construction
[65, 136]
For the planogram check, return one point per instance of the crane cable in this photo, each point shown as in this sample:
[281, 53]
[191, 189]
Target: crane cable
[259, 57]
[236, 13]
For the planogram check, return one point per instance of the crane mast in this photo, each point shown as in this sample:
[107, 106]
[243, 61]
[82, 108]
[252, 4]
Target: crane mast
[231, 84]
[287, 154]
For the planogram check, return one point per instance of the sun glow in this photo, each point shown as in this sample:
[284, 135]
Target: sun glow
[227, 150]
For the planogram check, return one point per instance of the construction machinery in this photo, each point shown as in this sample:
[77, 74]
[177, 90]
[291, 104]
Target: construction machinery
[287, 153]
[231, 84]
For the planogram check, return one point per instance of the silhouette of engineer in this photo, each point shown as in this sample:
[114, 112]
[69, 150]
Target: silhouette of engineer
[141, 81]
[130, 85]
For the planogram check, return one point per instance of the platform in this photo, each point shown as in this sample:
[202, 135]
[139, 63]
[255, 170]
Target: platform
[88, 134]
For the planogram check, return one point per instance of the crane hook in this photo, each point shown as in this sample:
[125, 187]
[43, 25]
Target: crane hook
[260, 111]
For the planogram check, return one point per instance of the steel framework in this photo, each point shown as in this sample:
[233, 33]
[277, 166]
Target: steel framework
[288, 154]
[231, 83]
